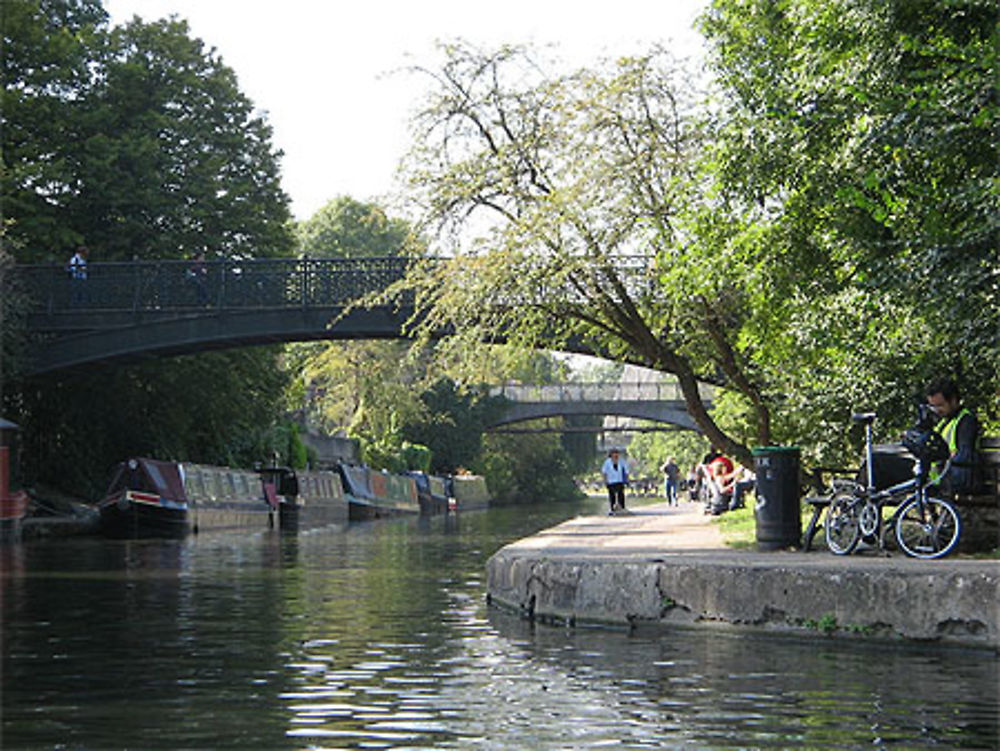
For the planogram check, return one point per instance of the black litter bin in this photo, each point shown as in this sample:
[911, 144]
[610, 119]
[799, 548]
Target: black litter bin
[777, 513]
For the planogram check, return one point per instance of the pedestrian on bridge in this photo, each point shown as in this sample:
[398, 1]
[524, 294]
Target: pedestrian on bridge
[77, 269]
[615, 478]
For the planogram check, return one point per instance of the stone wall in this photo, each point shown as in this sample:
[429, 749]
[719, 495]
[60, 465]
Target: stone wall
[945, 601]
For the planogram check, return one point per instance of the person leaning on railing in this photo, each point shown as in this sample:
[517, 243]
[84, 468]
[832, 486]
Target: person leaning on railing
[77, 270]
[959, 428]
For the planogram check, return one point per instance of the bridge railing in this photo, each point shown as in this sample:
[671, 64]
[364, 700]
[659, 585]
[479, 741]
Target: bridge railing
[596, 392]
[230, 284]
[166, 286]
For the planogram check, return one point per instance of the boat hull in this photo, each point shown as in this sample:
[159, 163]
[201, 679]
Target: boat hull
[129, 515]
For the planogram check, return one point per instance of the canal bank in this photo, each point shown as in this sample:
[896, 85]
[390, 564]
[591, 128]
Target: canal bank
[665, 566]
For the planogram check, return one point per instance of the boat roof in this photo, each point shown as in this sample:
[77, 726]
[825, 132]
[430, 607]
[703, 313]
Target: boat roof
[152, 475]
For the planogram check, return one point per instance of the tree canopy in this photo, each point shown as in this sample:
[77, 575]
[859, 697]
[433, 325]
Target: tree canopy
[854, 154]
[566, 195]
[348, 228]
[136, 141]
[817, 235]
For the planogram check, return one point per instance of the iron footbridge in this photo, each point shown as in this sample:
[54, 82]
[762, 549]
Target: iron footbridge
[130, 311]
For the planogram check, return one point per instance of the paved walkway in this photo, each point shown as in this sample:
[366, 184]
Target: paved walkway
[641, 531]
[668, 565]
[658, 531]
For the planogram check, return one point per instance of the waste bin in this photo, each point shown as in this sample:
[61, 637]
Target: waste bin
[777, 513]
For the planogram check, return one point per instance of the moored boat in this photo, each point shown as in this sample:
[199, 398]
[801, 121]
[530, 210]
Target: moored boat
[372, 494]
[432, 493]
[147, 497]
[306, 498]
[470, 492]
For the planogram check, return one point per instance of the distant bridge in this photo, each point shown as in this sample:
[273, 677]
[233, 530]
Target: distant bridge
[657, 402]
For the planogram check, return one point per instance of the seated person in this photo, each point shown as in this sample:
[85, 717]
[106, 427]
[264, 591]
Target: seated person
[720, 481]
[745, 481]
[959, 428]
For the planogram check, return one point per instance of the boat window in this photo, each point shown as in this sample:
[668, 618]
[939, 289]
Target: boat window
[212, 483]
[194, 482]
[242, 488]
[159, 483]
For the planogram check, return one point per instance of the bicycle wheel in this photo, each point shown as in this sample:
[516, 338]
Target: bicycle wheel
[927, 530]
[841, 526]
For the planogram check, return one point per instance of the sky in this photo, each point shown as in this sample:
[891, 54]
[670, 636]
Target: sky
[328, 72]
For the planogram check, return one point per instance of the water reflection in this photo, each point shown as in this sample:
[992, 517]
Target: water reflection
[377, 636]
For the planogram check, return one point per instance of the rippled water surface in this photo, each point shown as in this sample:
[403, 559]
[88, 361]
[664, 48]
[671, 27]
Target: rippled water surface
[377, 636]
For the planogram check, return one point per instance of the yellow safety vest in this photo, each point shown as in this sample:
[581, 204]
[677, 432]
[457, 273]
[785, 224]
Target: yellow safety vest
[949, 430]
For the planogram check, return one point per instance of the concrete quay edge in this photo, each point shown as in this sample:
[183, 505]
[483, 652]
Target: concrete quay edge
[667, 567]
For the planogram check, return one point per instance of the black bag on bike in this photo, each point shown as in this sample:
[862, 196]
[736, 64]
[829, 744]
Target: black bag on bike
[926, 445]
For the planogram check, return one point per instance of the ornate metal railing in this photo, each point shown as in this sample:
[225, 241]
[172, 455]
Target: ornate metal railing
[596, 392]
[167, 286]
[189, 285]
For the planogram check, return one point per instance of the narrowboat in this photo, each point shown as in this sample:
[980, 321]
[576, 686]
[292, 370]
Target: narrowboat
[470, 492]
[306, 498]
[151, 498]
[373, 494]
[13, 503]
[432, 493]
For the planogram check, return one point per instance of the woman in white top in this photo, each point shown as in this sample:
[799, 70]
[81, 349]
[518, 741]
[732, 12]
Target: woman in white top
[615, 477]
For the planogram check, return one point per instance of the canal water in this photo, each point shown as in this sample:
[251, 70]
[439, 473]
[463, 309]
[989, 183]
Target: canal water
[378, 636]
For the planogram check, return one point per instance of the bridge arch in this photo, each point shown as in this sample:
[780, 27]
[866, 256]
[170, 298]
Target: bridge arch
[654, 401]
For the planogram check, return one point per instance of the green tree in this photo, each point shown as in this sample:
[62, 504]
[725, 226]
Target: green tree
[854, 154]
[142, 145]
[651, 450]
[13, 309]
[566, 195]
[175, 159]
[347, 228]
[369, 389]
[49, 47]
[526, 468]
[148, 149]
[452, 424]
[215, 408]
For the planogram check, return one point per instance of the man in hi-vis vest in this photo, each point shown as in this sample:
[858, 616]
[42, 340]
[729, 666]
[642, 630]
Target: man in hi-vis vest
[960, 430]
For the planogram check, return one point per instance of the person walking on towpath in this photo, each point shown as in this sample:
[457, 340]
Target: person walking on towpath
[615, 478]
[671, 475]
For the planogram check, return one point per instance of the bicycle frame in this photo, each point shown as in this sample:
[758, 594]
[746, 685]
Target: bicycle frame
[919, 520]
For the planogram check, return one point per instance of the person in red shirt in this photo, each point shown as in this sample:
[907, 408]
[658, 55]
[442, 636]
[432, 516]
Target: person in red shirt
[721, 478]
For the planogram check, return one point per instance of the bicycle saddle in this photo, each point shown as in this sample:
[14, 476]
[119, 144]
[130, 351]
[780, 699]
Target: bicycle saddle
[863, 417]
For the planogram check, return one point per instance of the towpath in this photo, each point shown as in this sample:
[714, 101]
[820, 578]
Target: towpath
[663, 566]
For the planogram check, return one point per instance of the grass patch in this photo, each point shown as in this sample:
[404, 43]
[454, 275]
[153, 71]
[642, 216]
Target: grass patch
[739, 528]
[991, 555]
